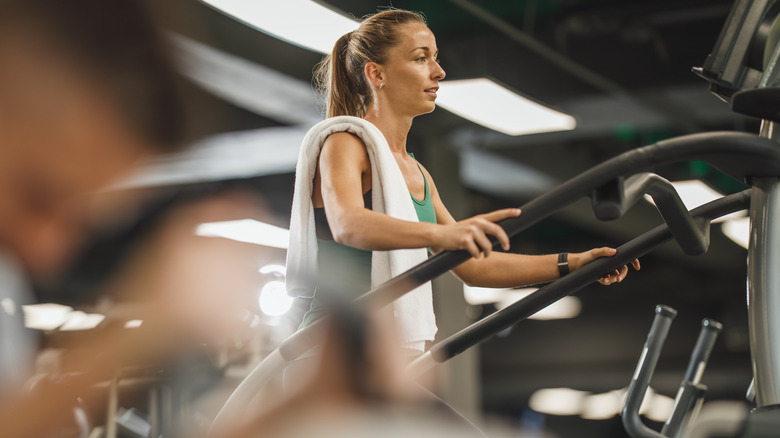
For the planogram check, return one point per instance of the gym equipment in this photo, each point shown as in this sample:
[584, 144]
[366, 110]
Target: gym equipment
[548, 294]
[691, 392]
[732, 69]
[740, 155]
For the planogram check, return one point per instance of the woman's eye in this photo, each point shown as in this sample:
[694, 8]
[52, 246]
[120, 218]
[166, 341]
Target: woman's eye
[422, 59]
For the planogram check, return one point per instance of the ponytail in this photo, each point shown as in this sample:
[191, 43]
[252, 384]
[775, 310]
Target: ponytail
[344, 90]
[339, 76]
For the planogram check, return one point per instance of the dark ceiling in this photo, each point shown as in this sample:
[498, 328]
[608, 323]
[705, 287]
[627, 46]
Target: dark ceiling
[623, 69]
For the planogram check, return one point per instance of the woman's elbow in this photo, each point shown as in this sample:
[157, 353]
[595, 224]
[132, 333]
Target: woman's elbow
[467, 277]
[342, 235]
[347, 234]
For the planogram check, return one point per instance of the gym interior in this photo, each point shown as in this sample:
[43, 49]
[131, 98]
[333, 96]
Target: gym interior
[617, 77]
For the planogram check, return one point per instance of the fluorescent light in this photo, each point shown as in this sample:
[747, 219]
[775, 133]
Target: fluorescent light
[565, 308]
[738, 230]
[134, 323]
[566, 401]
[252, 86]
[232, 155]
[557, 401]
[246, 230]
[301, 22]
[274, 300]
[315, 27]
[603, 406]
[47, 316]
[79, 320]
[50, 316]
[656, 407]
[491, 105]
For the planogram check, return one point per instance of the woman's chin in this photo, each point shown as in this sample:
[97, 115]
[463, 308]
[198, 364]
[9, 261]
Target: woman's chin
[427, 109]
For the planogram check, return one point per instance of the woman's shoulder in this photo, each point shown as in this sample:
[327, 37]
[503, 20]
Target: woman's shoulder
[348, 129]
[344, 147]
[344, 139]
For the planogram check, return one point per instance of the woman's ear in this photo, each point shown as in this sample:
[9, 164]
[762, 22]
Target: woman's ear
[374, 73]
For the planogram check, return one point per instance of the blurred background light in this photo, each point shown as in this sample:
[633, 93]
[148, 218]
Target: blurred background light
[134, 323]
[738, 230]
[603, 406]
[247, 230]
[565, 308]
[274, 300]
[78, 320]
[557, 401]
[567, 401]
[274, 269]
[46, 316]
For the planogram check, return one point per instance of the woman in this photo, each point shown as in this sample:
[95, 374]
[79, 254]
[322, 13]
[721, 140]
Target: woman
[381, 76]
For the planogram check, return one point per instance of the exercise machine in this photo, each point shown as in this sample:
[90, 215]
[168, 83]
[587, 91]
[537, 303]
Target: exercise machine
[738, 72]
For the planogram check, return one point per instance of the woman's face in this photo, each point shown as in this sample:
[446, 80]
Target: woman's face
[412, 72]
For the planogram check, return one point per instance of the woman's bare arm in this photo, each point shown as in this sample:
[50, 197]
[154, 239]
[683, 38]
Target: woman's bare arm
[340, 179]
[496, 269]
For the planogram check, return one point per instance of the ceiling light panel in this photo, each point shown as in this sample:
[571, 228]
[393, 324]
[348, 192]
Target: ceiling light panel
[301, 22]
[492, 105]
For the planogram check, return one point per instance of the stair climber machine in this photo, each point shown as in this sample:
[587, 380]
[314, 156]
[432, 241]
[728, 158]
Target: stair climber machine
[741, 70]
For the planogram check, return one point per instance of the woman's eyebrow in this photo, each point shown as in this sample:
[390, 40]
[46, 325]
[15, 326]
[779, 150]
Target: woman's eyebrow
[424, 48]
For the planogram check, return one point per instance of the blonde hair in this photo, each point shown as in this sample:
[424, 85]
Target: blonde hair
[339, 76]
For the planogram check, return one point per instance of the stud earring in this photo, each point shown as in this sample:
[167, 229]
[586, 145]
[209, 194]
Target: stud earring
[381, 85]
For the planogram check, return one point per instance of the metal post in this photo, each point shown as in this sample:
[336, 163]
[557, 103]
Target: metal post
[764, 283]
[644, 372]
[154, 410]
[113, 406]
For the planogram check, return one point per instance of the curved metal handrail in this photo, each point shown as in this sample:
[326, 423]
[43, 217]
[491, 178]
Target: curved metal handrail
[548, 294]
[740, 155]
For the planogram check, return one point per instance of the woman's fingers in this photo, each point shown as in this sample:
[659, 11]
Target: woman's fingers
[499, 215]
[612, 277]
[604, 251]
[499, 233]
[475, 232]
[473, 248]
[622, 274]
[484, 243]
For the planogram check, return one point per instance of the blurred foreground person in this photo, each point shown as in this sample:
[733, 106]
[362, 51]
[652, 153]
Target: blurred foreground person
[356, 386]
[87, 92]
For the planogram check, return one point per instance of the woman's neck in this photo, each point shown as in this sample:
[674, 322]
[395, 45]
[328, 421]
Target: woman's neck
[394, 128]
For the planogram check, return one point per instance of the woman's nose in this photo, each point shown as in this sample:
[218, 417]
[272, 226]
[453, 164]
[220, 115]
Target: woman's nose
[439, 72]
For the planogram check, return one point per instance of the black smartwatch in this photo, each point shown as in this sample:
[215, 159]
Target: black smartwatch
[563, 263]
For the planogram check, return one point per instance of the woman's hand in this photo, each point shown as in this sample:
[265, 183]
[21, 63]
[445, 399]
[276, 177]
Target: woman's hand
[472, 234]
[577, 260]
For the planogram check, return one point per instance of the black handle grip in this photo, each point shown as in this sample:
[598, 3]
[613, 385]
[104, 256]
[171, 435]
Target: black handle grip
[738, 154]
[691, 391]
[548, 294]
[701, 352]
[613, 199]
[644, 372]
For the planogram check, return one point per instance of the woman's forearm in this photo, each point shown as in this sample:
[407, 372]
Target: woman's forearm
[508, 270]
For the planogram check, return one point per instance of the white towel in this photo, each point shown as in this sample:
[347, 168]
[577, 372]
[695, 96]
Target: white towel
[413, 311]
